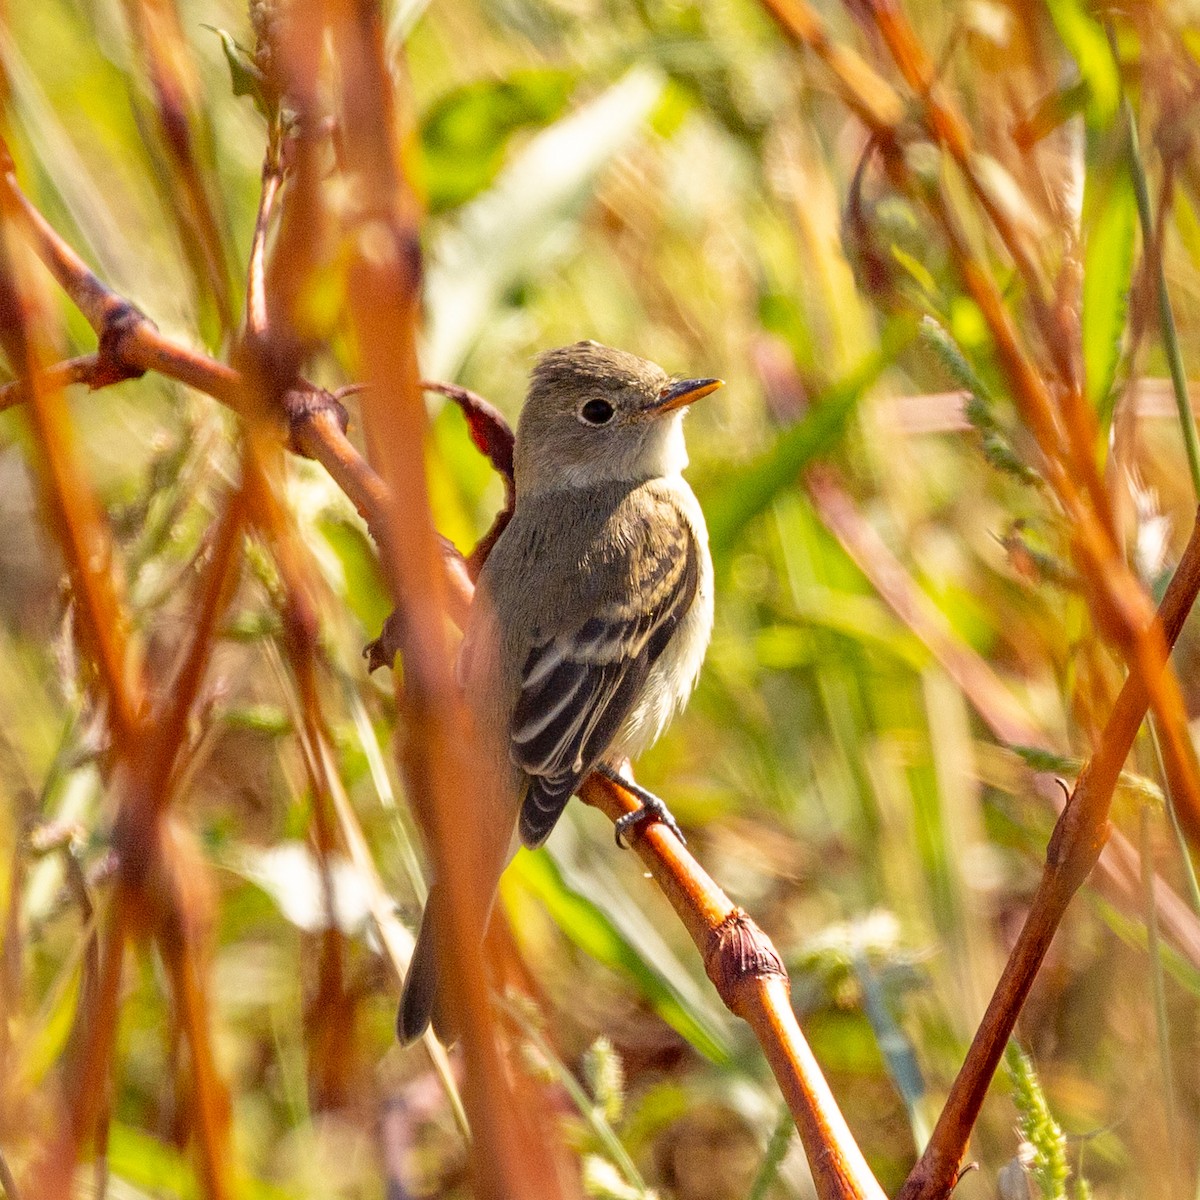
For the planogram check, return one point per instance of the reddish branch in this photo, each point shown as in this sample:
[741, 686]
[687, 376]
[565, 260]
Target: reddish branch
[1120, 606]
[1066, 440]
[89, 369]
[744, 967]
[173, 83]
[513, 1150]
[130, 344]
[87, 549]
[1078, 838]
[154, 894]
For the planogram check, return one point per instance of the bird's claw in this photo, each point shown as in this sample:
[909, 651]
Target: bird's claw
[652, 809]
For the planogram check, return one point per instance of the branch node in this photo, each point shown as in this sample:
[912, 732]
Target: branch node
[122, 321]
[1079, 834]
[300, 405]
[738, 951]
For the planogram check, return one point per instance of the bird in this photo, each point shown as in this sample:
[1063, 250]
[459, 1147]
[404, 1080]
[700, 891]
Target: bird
[591, 617]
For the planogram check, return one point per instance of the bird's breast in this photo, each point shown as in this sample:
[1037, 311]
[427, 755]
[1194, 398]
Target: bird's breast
[673, 677]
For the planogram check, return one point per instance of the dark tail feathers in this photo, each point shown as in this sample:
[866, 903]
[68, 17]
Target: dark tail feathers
[421, 1000]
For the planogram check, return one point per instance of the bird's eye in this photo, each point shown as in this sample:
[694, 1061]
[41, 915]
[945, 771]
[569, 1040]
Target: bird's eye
[597, 412]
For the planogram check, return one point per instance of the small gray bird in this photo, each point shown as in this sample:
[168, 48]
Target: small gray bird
[591, 616]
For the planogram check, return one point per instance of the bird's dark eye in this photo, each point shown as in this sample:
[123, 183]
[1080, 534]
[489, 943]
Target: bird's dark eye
[597, 412]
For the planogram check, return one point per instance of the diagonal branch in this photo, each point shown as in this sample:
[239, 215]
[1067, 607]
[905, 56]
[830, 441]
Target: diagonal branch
[150, 893]
[1078, 839]
[82, 532]
[174, 83]
[130, 344]
[86, 369]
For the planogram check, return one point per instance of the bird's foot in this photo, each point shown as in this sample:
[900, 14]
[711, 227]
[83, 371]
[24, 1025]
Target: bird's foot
[653, 809]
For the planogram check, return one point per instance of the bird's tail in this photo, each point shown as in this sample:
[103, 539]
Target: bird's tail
[419, 999]
[425, 997]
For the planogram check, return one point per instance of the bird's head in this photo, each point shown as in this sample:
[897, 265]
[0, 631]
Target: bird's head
[596, 415]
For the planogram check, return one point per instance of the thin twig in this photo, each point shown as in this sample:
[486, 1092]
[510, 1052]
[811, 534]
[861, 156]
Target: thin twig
[130, 341]
[175, 85]
[1162, 1024]
[1119, 603]
[210, 1101]
[1078, 839]
[947, 127]
[513, 1150]
[87, 549]
[860, 87]
[1152, 247]
[299, 582]
[1119, 866]
[60, 375]
[78, 521]
[213, 597]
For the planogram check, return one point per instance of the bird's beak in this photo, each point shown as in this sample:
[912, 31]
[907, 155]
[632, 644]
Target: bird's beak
[686, 391]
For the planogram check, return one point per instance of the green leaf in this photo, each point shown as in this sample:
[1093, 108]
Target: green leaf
[597, 934]
[246, 78]
[1085, 39]
[516, 228]
[366, 591]
[465, 135]
[137, 1158]
[1110, 230]
[745, 491]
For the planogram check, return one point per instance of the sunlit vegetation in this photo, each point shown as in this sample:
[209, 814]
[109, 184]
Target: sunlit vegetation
[947, 260]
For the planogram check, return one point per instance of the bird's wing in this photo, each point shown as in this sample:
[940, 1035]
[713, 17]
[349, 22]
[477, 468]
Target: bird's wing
[580, 684]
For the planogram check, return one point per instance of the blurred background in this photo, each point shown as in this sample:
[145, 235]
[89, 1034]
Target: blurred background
[903, 660]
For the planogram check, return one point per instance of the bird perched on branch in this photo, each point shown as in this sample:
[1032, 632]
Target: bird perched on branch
[591, 615]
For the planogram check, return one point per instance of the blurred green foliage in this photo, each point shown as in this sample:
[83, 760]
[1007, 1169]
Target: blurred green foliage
[667, 176]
